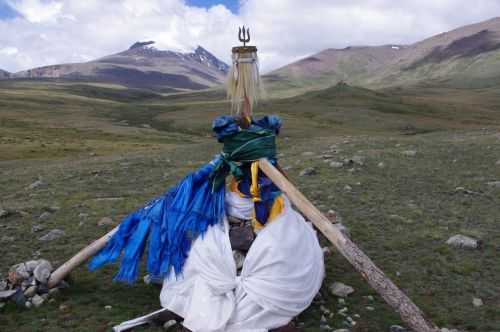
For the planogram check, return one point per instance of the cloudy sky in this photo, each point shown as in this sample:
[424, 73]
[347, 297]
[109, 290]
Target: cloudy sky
[42, 32]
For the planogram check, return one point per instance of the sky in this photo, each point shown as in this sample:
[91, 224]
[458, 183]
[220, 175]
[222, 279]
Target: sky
[44, 32]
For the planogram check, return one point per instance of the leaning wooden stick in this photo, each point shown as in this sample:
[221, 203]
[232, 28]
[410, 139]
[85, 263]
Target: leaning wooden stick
[58, 275]
[408, 311]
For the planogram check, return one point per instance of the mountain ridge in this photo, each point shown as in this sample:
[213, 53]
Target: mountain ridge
[466, 56]
[143, 66]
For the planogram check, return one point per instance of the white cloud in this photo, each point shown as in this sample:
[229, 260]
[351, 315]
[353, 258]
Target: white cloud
[60, 31]
[9, 50]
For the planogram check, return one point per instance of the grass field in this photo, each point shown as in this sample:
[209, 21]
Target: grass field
[104, 151]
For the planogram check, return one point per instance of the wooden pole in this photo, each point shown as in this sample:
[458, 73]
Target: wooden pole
[398, 300]
[75, 261]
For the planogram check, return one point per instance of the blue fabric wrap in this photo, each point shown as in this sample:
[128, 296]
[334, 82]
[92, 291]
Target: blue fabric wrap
[171, 223]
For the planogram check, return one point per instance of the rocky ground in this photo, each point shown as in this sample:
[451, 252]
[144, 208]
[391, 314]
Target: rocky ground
[424, 207]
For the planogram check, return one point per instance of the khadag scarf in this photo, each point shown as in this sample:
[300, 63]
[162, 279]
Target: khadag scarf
[170, 223]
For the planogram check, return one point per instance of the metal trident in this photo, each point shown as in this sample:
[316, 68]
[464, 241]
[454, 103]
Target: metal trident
[244, 36]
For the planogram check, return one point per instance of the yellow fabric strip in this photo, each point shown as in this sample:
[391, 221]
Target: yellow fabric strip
[276, 210]
[254, 188]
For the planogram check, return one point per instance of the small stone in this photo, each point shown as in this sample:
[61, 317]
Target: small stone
[325, 327]
[341, 301]
[308, 171]
[28, 304]
[4, 213]
[323, 320]
[494, 184]
[37, 228]
[54, 292]
[52, 235]
[358, 160]
[83, 215]
[37, 301]
[42, 271]
[477, 302]
[498, 162]
[341, 290]
[326, 251]
[381, 164]
[343, 311]
[108, 307]
[171, 323]
[239, 259]
[6, 238]
[2, 305]
[3, 285]
[409, 153]
[64, 307]
[336, 164]
[397, 328]
[37, 184]
[308, 154]
[4, 295]
[44, 216]
[369, 308]
[30, 291]
[341, 330]
[347, 187]
[147, 279]
[462, 241]
[370, 298]
[106, 221]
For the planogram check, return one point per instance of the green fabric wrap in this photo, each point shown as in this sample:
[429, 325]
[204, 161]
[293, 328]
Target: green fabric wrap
[244, 146]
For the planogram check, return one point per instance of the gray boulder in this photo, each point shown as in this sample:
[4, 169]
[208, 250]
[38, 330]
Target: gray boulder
[52, 235]
[462, 241]
[341, 290]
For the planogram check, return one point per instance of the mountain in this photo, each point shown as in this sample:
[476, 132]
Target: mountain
[143, 66]
[4, 74]
[465, 57]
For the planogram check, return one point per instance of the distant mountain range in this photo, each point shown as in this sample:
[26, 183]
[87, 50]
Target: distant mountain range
[143, 66]
[4, 74]
[465, 57]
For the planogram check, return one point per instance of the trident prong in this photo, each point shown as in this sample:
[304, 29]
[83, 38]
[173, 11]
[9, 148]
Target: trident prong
[244, 36]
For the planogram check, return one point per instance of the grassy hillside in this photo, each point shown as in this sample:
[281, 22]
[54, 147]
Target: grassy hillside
[104, 151]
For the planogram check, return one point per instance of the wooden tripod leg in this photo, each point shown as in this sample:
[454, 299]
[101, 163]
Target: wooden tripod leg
[398, 300]
[75, 261]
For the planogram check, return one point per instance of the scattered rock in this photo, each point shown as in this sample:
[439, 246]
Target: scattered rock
[341, 290]
[37, 184]
[2, 304]
[4, 213]
[397, 328]
[462, 241]
[64, 307]
[498, 162]
[83, 215]
[239, 259]
[30, 291]
[308, 153]
[336, 164]
[108, 307]
[4, 295]
[381, 164]
[6, 238]
[106, 221]
[477, 302]
[37, 300]
[28, 304]
[37, 228]
[341, 301]
[308, 171]
[52, 235]
[145, 125]
[358, 160]
[171, 323]
[147, 279]
[370, 298]
[409, 153]
[494, 184]
[45, 215]
[347, 187]
[42, 271]
[369, 308]
[341, 330]
[326, 251]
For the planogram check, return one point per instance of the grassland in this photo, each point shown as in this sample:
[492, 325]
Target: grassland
[103, 152]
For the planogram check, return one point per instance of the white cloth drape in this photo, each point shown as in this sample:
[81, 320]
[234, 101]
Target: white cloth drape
[282, 273]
